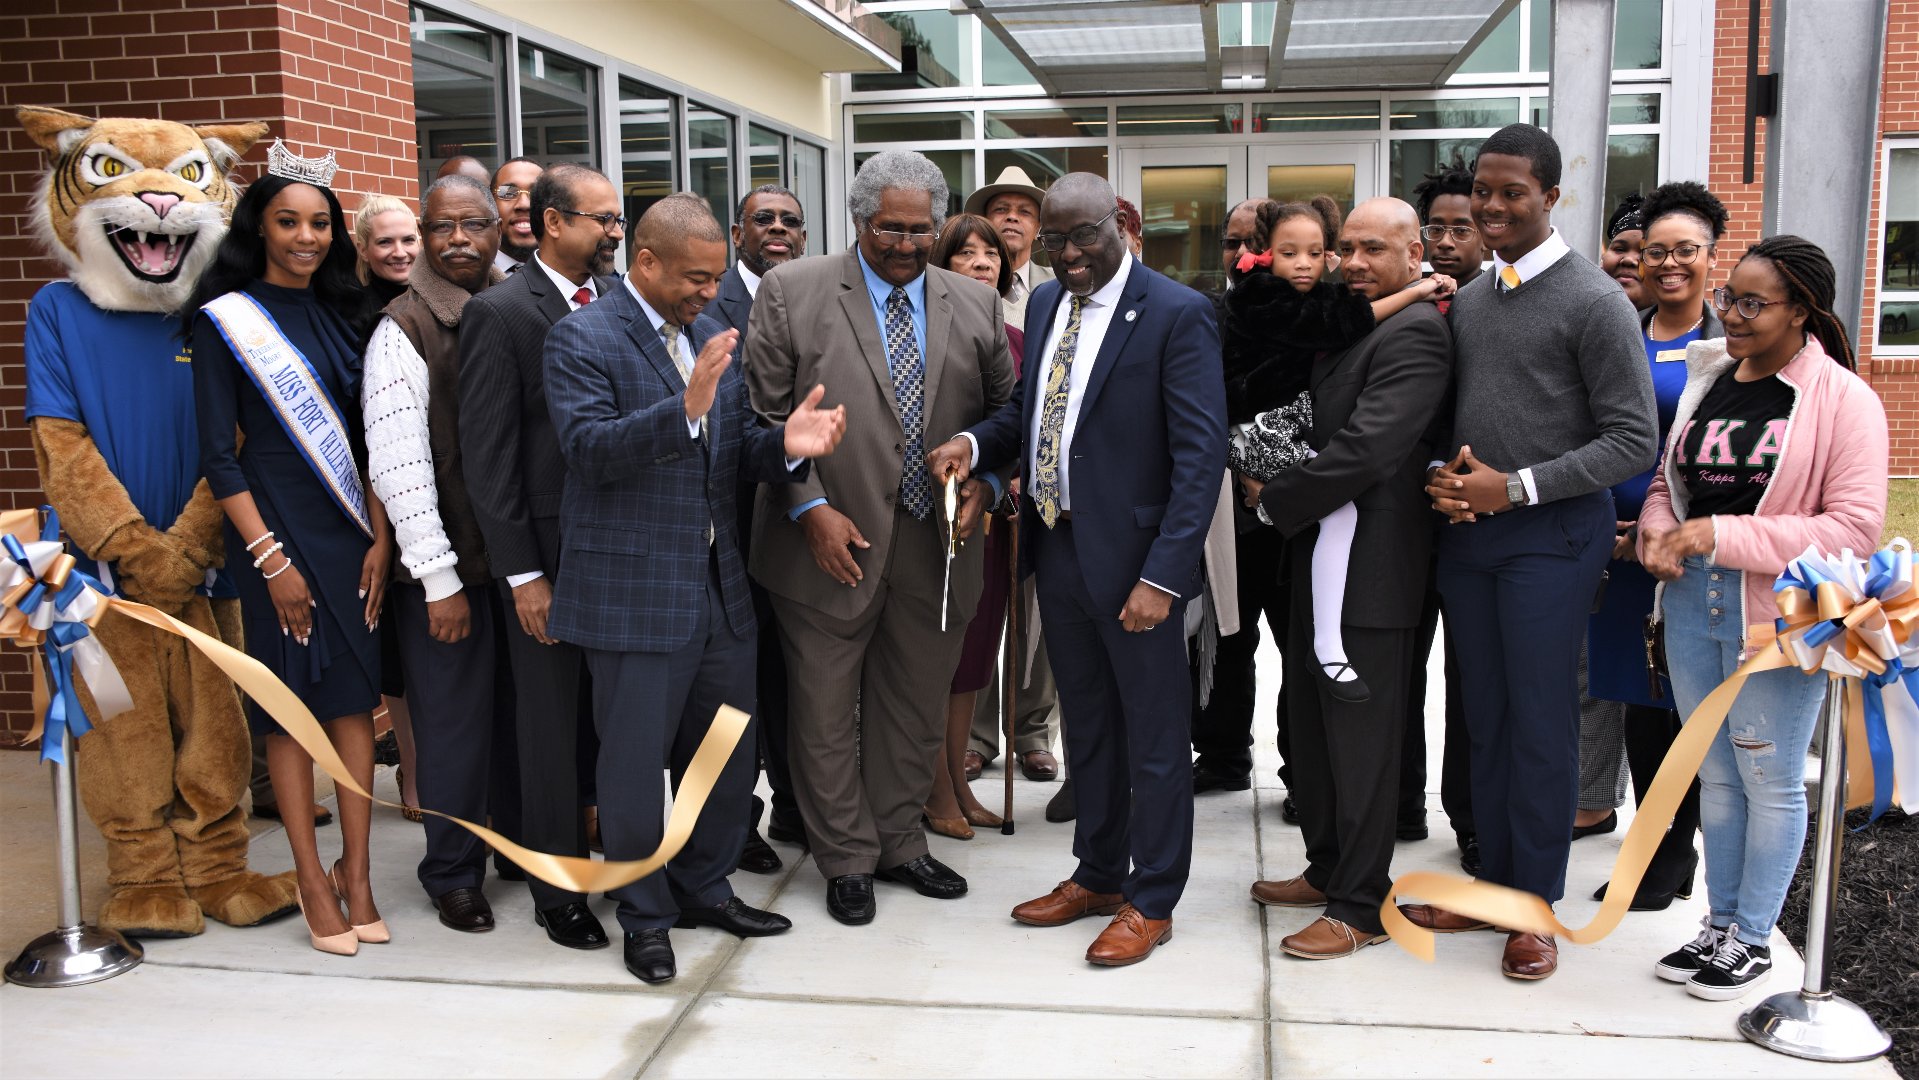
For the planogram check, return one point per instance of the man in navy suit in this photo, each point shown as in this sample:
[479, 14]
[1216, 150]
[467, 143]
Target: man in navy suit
[1120, 421]
[652, 586]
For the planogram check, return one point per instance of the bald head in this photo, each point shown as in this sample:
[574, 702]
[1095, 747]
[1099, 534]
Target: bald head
[1082, 206]
[1379, 248]
[466, 165]
[668, 224]
[678, 257]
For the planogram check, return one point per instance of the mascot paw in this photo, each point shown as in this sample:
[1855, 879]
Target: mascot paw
[152, 911]
[248, 899]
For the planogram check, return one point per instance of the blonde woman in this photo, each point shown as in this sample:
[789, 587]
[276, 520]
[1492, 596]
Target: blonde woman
[387, 236]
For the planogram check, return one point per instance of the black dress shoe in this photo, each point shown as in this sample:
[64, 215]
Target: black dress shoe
[849, 898]
[572, 925]
[787, 830]
[649, 956]
[1205, 780]
[736, 918]
[508, 871]
[1603, 825]
[928, 877]
[1062, 806]
[1412, 828]
[758, 857]
[1660, 886]
[465, 910]
[1469, 855]
[1289, 811]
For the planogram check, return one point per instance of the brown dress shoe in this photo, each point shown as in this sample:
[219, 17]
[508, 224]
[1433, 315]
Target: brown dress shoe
[1129, 938]
[1439, 920]
[1293, 892]
[974, 763]
[1067, 902]
[1038, 765]
[1326, 938]
[1529, 956]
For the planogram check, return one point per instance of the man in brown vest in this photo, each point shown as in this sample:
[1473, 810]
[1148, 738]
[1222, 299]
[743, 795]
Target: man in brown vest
[448, 615]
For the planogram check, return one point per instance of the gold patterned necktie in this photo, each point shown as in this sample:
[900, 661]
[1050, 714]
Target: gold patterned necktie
[1052, 419]
[671, 333]
[1508, 278]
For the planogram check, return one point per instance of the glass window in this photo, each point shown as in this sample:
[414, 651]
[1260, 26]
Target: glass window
[1498, 51]
[709, 158]
[1899, 324]
[936, 50]
[1361, 115]
[1542, 37]
[558, 99]
[912, 127]
[458, 76]
[998, 65]
[1047, 164]
[1412, 159]
[809, 184]
[765, 157]
[1047, 124]
[1299, 183]
[647, 129]
[956, 165]
[1632, 164]
[1899, 259]
[1183, 216]
[1625, 109]
[1636, 29]
[1179, 119]
[1489, 112]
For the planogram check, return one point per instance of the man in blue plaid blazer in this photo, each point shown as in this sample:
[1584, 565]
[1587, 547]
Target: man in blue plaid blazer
[656, 431]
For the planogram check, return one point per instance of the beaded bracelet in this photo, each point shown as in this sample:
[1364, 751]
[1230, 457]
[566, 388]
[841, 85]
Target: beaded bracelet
[284, 567]
[261, 540]
[267, 554]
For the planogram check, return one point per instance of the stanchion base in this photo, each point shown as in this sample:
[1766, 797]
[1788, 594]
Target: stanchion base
[73, 956]
[1818, 1028]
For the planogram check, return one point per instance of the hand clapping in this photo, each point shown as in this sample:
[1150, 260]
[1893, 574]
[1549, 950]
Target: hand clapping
[813, 432]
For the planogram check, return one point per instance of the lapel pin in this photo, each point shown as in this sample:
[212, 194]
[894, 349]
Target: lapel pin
[1131, 315]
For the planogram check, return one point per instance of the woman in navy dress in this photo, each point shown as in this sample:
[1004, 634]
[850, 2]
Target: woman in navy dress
[1683, 224]
[311, 581]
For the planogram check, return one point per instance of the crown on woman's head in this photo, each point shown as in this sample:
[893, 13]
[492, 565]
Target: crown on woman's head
[288, 165]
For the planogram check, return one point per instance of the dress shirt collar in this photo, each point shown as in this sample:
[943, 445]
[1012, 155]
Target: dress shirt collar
[751, 279]
[560, 281]
[504, 262]
[1534, 262]
[879, 288]
[654, 318]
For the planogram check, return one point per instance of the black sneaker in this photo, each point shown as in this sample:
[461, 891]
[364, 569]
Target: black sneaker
[1735, 969]
[1691, 958]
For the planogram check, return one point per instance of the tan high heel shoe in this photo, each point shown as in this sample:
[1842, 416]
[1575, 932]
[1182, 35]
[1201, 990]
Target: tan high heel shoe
[373, 933]
[954, 827]
[344, 944]
[984, 818]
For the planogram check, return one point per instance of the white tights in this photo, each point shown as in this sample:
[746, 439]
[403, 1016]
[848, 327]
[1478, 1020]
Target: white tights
[1332, 554]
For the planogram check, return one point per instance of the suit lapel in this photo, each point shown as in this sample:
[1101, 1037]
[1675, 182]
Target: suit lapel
[545, 296]
[857, 304]
[939, 324]
[652, 346]
[1034, 364]
[1126, 310]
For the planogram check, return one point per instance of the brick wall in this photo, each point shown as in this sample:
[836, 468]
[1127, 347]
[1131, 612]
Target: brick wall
[321, 73]
[1896, 379]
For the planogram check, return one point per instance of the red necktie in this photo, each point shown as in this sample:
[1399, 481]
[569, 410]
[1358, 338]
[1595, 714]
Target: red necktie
[582, 297]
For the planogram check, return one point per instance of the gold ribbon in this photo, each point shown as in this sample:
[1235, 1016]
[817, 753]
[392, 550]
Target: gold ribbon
[567, 872]
[1868, 624]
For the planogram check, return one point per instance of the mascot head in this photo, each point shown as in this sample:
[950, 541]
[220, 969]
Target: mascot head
[134, 208]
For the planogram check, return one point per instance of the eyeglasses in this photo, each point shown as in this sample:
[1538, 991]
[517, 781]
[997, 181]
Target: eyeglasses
[1749, 306]
[510, 192]
[896, 237]
[1233, 243]
[768, 217]
[1084, 236]
[608, 221]
[474, 225]
[1459, 233]
[1684, 254]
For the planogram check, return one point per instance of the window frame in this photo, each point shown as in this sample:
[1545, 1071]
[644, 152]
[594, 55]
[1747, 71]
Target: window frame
[1881, 296]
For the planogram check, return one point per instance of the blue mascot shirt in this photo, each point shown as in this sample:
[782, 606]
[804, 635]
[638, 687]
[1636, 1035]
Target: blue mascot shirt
[128, 377]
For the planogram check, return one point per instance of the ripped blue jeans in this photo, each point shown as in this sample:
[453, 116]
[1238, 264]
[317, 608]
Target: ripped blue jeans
[1752, 792]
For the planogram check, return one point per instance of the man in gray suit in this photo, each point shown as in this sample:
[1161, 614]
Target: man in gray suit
[855, 556]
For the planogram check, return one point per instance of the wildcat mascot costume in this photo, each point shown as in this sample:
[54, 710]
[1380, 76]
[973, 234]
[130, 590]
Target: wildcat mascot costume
[135, 209]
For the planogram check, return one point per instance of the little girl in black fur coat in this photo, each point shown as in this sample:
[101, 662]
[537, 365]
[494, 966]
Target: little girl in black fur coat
[1279, 317]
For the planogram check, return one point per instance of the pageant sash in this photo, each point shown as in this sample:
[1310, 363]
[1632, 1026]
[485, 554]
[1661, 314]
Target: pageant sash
[297, 396]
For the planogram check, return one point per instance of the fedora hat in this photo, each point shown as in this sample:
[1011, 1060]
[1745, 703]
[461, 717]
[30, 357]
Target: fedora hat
[1012, 178]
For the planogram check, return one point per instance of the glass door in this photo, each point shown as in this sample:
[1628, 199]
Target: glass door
[1183, 194]
[1295, 172]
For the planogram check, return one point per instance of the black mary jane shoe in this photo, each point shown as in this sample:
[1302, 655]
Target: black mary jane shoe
[849, 898]
[758, 856]
[927, 876]
[1353, 691]
[735, 917]
[572, 925]
[649, 956]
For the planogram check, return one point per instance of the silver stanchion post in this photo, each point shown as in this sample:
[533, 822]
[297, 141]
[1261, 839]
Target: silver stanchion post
[75, 953]
[1813, 1022]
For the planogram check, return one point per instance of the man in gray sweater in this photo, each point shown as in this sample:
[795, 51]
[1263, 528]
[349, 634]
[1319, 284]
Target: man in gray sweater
[1554, 406]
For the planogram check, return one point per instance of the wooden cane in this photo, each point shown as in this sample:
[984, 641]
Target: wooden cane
[1010, 704]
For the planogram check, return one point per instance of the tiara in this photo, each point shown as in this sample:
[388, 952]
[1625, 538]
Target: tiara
[288, 165]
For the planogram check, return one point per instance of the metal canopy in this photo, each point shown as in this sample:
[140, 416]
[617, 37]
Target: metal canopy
[1133, 46]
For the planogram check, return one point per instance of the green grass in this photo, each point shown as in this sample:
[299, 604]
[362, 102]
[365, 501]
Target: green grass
[1902, 511]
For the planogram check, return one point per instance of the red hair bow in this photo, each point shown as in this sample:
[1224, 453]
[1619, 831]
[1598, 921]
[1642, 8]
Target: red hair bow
[1248, 260]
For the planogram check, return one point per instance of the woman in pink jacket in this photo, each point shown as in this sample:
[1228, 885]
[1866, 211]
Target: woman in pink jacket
[1776, 446]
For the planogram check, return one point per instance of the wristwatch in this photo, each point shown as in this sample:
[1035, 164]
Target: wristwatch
[1516, 491]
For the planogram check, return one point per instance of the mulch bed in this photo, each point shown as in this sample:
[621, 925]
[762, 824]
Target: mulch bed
[1875, 933]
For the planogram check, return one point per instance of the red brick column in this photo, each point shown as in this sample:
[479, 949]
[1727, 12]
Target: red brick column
[322, 74]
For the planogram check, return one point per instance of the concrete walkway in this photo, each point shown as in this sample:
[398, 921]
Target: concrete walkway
[929, 989]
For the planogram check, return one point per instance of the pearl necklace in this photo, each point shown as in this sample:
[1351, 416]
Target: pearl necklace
[1652, 329]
